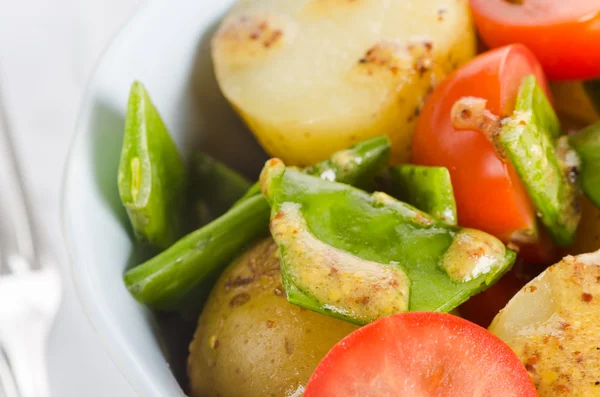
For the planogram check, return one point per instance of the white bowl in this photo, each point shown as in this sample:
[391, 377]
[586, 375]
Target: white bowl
[166, 46]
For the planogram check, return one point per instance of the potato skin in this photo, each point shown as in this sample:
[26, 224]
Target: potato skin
[250, 340]
[310, 77]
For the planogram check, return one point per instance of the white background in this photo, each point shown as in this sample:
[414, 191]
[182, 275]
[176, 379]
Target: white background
[48, 49]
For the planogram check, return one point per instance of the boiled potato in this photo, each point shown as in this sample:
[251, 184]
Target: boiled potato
[310, 77]
[553, 325]
[250, 341]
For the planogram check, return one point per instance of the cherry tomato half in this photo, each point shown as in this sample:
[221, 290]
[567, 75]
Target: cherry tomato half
[420, 355]
[563, 34]
[488, 192]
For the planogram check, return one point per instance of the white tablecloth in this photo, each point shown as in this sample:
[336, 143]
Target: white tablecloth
[48, 49]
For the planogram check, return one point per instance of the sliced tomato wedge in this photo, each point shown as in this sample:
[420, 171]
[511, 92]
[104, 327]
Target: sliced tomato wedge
[488, 192]
[563, 34]
[421, 355]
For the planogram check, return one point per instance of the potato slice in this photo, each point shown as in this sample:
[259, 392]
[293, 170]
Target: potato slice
[314, 76]
[553, 324]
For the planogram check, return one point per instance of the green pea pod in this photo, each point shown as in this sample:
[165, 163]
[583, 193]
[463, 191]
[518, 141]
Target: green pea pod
[165, 280]
[168, 280]
[427, 188]
[587, 145]
[360, 257]
[216, 186]
[592, 88]
[354, 166]
[151, 174]
[251, 192]
[529, 138]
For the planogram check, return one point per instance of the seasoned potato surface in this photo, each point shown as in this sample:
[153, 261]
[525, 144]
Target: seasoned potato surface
[250, 341]
[314, 76]
[553, 324]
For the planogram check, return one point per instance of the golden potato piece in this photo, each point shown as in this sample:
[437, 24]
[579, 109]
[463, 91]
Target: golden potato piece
[553, 324]
[310, 77]
[250, 341]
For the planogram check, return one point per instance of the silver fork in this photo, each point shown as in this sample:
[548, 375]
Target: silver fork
[30, 286]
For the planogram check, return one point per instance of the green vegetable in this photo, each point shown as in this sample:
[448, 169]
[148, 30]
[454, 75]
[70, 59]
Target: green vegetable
[359, 257]
[592, 88]
[587, 145]
[427, 188]
[166, 281]
[354, 166]
[216, 186]
[151, 174]
[529, 138]
[251, 192]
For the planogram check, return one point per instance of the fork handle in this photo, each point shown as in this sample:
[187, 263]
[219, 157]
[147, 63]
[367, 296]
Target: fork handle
[24, 342]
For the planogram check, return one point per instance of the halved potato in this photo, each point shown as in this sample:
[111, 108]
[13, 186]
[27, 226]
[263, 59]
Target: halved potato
[553, 325]
[314, 76]
[250, 341]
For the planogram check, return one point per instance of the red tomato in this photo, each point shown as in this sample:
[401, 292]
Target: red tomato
[489, 193]
[420, 355]
[563, 34]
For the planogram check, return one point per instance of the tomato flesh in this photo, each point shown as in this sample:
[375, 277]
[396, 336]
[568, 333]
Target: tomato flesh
[488, 192]
[563, 34]
[420, 355]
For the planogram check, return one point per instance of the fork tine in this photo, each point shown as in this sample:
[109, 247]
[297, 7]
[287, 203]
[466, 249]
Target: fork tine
[17, 232]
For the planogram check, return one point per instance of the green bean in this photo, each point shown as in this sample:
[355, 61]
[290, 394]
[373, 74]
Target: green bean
[165, 281]
[216, 187]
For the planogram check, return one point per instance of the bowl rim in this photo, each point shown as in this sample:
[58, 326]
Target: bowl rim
[134, 377]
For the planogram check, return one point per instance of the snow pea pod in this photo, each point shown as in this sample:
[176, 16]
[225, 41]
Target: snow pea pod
[427, 188]
[359, 257]
[530, 139]
[151, 174]
[167, 281]
[354, 166]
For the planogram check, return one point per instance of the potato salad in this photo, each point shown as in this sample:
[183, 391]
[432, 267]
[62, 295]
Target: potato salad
[427, 223]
